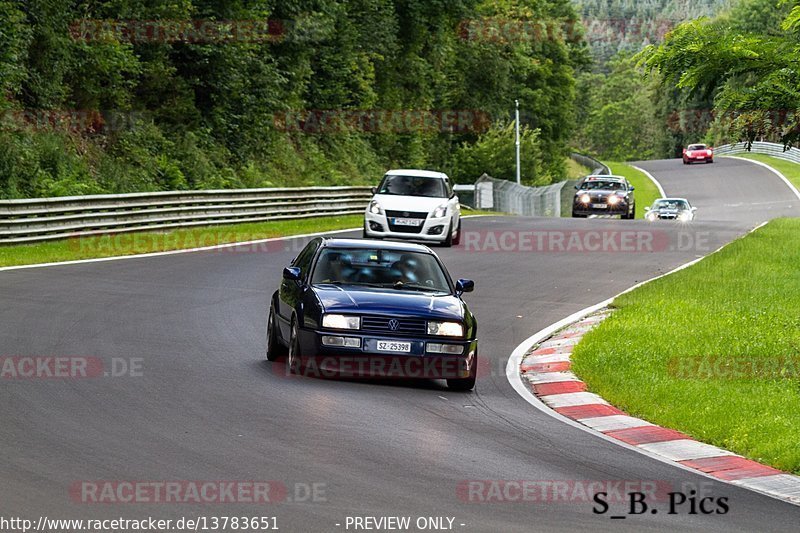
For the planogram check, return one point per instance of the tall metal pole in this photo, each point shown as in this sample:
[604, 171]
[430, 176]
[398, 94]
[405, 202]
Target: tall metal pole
[516, 102]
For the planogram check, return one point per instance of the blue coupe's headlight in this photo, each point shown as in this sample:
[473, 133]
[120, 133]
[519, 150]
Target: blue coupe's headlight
[446, 329]
[341, 322]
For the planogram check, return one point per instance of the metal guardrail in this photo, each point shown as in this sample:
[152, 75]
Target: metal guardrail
[508, 197]
[773, 149]
[598, 168]
[41, 219]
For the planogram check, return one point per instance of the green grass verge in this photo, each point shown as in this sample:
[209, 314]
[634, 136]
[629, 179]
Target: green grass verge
[788, 168]
[646, 190]
[162, 241]
[660, 355]
[575, 170]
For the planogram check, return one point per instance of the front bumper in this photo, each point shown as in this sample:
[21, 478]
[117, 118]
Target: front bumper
[693, 159]
[318, 360]
[579, 208]
[431, 230]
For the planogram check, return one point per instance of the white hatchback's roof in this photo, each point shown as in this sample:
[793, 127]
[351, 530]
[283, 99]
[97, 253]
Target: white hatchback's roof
[672, 199]
[418, 173]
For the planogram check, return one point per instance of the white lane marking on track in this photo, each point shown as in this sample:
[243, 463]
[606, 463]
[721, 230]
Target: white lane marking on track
[771, 169]
[653, 179]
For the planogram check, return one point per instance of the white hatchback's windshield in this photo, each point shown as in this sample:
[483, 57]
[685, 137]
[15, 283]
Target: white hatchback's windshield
[413, 186]
[374, 267]
[671, 204]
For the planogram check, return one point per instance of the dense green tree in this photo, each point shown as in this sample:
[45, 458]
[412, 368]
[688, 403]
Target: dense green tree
[123, 95]
[752, 77]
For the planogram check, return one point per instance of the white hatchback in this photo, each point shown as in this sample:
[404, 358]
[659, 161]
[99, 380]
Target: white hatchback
[418, 205]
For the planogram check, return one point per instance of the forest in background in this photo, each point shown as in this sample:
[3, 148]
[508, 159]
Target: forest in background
[112, 96]
[726, 78]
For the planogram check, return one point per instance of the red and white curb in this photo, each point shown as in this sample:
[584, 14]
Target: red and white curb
[545, 368]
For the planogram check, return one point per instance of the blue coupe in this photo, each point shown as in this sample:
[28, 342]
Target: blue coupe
[356, 308]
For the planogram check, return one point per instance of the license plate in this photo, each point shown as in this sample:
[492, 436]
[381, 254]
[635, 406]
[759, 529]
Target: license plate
[391, 346]
[599, 206]
[407, 222]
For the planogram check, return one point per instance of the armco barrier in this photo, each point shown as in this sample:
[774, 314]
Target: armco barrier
[773, 149]
[42, 219]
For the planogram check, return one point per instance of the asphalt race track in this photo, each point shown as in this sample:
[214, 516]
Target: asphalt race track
[205, 405]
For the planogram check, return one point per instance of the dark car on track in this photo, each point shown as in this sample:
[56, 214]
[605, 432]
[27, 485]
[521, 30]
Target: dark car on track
[361, 308]
[604, 195]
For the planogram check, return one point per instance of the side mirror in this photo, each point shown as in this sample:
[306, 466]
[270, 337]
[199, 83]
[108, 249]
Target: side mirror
[694, 209]
[291, 274]
[464, 285]
[647, 209]
[632, 188]
[577, 188]
[374, 190]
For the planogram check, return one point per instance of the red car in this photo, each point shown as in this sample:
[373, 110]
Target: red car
[698, 152]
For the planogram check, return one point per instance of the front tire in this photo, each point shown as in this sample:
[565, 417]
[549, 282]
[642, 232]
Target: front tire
[457, 238]
[448, 241]
[465, 384]
[274, 347]
[293, 359]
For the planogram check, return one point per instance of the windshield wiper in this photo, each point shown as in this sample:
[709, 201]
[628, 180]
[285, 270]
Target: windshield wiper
[399, 285]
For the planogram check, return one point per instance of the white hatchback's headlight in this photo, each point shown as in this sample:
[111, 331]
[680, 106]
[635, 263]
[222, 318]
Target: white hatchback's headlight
[685, 216]
[446, 329]
[375, 208]
[341, 322]
[440, 211]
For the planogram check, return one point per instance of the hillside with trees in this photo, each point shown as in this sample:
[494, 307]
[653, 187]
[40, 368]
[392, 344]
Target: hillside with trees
[110, 96]
[627, 26]
[728, 78]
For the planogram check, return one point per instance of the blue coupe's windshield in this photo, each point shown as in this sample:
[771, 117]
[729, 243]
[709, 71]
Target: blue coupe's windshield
[413, 186]
[374, 267]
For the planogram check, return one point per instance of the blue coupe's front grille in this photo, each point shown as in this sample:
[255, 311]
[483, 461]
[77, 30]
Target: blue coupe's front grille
[381, 324]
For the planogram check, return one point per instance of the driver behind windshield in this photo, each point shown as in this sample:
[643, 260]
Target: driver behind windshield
[407, 266]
